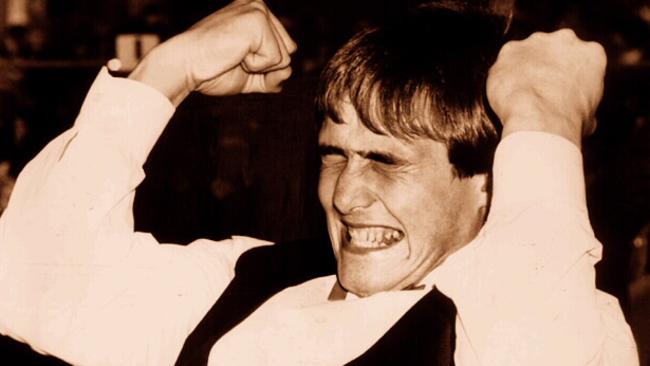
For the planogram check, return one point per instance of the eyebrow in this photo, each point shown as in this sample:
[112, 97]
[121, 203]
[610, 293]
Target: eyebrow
[324, 149]
[378, 156]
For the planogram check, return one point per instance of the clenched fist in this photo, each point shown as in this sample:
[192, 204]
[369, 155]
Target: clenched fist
[550, 82]
[241, 48]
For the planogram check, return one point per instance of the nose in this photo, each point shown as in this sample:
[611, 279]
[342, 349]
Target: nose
[352, 191]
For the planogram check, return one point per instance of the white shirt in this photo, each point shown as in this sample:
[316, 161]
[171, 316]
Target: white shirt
[76, 281]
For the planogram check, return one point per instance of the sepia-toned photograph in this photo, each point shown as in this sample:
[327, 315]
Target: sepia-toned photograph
[324, 183]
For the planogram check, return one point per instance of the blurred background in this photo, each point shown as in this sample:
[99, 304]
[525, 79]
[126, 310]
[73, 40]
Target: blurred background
[248, 165]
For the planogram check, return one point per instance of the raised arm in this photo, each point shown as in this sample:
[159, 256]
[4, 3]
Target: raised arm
[533, 299]
[76, 281]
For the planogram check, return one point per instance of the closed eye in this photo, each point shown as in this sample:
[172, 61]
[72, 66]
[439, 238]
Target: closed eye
[385, 159]
[331, 154]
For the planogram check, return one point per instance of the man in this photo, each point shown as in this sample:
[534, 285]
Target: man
[407, 218]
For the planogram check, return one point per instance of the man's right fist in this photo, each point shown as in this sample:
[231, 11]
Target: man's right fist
[550, 82]
[241, 48]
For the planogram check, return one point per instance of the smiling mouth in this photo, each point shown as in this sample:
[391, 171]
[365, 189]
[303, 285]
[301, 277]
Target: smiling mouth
[370, 238]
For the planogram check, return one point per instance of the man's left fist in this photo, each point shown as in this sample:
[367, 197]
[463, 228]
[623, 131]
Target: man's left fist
[552, 81]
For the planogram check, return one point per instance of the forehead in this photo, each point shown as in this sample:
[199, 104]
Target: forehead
[353, 136]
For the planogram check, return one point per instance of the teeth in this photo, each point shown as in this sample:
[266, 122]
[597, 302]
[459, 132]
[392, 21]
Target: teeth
[379, 235]
[374, 237]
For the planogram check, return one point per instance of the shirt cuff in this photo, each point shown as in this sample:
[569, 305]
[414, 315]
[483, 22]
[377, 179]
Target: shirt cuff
[126, 111]
[537, 167]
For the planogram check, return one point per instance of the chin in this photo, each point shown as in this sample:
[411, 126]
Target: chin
[366, 283]
[371, 258]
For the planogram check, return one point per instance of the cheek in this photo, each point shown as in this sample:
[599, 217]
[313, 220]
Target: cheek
[326, 184]
[445, 220]
[427, 212]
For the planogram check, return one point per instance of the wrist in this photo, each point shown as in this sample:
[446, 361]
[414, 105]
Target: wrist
[555, 123]
[163, 70]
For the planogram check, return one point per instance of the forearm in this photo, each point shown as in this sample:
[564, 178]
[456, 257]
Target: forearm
[84, 179]
[78, 188]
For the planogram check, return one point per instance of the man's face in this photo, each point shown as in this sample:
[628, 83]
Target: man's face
[394, 208]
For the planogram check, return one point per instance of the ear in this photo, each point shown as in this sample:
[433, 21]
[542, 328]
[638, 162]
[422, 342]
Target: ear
[478, 199]
[483, 190]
